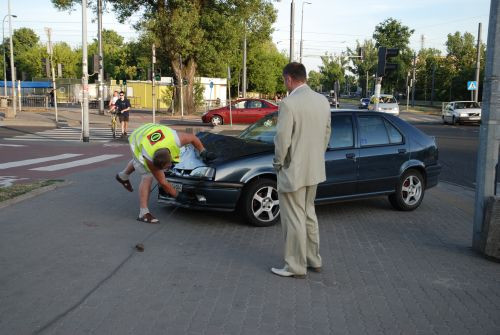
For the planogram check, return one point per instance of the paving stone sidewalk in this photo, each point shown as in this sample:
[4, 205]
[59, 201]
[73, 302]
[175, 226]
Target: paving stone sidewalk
[69, 267]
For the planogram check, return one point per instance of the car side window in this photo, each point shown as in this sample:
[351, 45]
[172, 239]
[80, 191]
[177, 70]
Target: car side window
[395, 136]
[342, 135]
[372, 131]
[240, 104]
[254, 104]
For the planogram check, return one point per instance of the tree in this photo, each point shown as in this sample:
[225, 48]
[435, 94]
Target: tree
[366, 66]
[191, 33]
[265, 65]
[393, 34]
[27, 53]
[314, 80]
[331, 71]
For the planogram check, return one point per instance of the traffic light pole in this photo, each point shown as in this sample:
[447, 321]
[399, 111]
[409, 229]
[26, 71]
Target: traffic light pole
[85, 77]
[486, 232]
[378, 88]
[101, 67]
[153, 80]
[52, 71]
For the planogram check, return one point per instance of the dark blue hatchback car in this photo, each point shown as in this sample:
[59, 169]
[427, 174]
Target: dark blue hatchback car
[369, 154]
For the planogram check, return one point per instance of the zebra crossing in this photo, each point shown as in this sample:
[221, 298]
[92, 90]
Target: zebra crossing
[66, 134]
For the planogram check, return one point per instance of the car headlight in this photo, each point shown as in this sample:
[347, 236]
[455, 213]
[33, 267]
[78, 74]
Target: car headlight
[463, 115]
[204, 172]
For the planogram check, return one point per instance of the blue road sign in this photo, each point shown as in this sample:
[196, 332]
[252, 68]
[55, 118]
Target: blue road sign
[472, 85]
[211, 84]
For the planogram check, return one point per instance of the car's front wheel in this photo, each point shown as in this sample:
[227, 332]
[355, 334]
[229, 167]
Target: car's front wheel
[409, 191]
[216, 120]
[260, 204]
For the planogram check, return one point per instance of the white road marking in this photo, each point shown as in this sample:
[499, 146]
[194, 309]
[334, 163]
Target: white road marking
[36, 161]
[66, 134]
[12, 145]
[7, 181]
[72, 164]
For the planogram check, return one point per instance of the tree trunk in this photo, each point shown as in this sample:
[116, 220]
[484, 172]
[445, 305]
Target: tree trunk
[186, 71]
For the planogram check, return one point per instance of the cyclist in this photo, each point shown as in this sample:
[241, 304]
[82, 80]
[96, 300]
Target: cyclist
[113, 101]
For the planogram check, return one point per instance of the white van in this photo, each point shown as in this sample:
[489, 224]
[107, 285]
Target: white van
[387, 104]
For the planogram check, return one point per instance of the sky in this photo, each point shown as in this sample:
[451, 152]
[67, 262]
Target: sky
[329, 25]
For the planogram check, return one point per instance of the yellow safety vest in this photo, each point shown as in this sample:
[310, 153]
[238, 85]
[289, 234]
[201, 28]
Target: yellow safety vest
[148, 138]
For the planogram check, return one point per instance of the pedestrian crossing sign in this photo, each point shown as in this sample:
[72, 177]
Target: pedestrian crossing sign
[472, 85]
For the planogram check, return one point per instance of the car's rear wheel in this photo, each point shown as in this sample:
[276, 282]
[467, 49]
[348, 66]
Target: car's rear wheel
[443, 119]
[409, 191]
[216, 120]
[260, 204]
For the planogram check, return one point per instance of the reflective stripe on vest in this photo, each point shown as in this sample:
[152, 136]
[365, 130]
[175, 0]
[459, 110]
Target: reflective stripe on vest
[150, 137]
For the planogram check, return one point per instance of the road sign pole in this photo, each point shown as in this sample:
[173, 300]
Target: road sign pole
[153, 80]
[489, 138]
[478, 62]
[85, 76]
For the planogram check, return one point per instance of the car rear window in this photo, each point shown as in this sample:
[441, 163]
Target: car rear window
[342, 135]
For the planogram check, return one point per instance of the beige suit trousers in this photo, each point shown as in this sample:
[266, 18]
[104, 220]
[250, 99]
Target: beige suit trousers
[300, 229]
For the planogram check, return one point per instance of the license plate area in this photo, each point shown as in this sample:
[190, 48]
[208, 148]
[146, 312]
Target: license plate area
[177, 186]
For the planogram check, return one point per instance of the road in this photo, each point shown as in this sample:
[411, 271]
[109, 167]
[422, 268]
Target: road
[457, 147]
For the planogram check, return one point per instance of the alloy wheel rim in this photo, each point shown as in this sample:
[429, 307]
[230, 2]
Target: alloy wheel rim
[411, 190]
[265, 204]
[216, 121]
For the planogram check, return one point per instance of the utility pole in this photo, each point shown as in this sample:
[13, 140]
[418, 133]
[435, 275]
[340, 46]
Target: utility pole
[245, 62]
[181, 83]
[478, 62]
[101, 65]
[85, 77]
[153, 62]
[292, 31]
[414, 81]
[366, 89]
[302, 29]
[407, 89]
[12, 69]
[433, 80]
[489, 138]
[229, 92]
[50, 51]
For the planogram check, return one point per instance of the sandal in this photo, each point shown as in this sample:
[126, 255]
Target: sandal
[148, 218]
[125, 183]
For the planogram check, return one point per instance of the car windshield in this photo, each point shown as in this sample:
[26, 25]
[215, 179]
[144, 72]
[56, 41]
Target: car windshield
[466, 104]
[262, 130]
[387, 100]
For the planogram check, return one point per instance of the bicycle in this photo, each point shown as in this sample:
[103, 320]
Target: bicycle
[114, 122]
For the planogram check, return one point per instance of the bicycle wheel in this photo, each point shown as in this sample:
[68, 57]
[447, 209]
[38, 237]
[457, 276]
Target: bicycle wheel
[113, 126]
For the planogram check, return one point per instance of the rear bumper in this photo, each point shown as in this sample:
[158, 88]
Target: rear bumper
[432, 172]
[210, 195]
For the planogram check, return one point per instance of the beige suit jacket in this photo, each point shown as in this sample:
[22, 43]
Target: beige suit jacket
[302, 137]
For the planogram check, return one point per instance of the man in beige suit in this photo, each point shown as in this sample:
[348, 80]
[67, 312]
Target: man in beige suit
[302, 136]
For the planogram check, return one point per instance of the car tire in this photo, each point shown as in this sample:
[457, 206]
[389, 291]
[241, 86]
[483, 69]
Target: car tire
[259, 203]
[409, 191]
[216, 120]
[453, 121]
[443, 119]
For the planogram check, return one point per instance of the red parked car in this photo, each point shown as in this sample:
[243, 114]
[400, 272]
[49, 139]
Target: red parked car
[243, 110]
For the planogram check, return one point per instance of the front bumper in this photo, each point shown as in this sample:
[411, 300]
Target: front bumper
[202, 194]
[432, 172]
[471, 119]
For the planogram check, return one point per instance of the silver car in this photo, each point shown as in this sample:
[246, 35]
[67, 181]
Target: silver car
[387, 104]
[461, 112]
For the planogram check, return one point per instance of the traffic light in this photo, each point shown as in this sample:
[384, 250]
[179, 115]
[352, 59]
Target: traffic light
[383, 54]
[157, 76]
[361, 53]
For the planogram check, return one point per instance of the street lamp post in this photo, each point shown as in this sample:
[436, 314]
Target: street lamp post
[5, 65]
[302, 28]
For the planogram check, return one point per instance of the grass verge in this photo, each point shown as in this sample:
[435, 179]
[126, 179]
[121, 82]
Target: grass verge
[13, 191]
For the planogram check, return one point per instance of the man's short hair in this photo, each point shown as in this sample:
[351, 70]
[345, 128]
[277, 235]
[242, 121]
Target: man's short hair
[121, 92]
[295, 70]
[161, 158]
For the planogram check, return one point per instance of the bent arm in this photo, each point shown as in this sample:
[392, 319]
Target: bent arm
[186, 138]
[160, 177]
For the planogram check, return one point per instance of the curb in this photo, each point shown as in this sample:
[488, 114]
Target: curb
[33, 193]
[26, 123]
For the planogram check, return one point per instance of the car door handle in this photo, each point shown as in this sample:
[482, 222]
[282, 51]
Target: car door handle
[401, 151]
[350, 155]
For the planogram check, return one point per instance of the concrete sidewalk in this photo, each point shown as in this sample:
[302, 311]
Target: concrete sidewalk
[70, 268]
